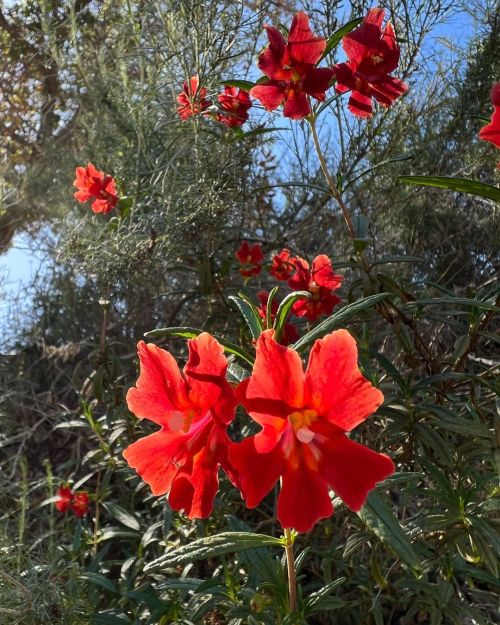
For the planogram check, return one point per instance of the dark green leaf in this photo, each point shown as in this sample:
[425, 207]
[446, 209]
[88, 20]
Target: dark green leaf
[249, 314]
[244, 85]
[334, 39]
[269, 308]
[99, 580]
[338, 319]
[455, 301]
[121, 515]
[284, 310]
[211, 546]
[456, 184]
[381, 520]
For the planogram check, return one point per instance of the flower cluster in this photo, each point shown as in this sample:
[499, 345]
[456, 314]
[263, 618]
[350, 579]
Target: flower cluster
[292, 76]
[304, 416]
[95, 185]
[491, 132]
[78, 502]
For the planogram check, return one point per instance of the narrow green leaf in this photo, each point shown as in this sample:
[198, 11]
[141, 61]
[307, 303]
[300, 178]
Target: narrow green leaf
[249, 314]
[338, 319]
[109, 619]
[456, 301]
[99, 580]
[269, 309]
[261, 131]
[244, 85]
[285, 308]
[316, 598]
[191, 333]
[380, 519]
[211, 546]
[121, 515]
[455, 184]
[334, 39]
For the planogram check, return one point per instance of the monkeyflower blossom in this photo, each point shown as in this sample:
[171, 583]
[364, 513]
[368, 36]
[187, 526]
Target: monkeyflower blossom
[234, 105]
[193, 99]
[251, 258]
[305, 418]
[93, 184]
[491, 132]
[282, 267]
[81, 503]
[373, 54]
[78, 503]
[320, 280]
[289, 332]
[64, 498]
[193, 410]
[290, 67]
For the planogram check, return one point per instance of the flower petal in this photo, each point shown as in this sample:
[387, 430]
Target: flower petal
[303, 44]
[270, 94]
[337, 388]
[296, 105]
[160, 389]
[317, 81]
[360, 105]
[323, 274]
[353, 470]
[491, 132]
[271, 59]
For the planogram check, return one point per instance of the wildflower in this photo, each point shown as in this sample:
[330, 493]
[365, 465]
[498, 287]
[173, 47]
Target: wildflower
[289, 332]
[291, 69]
[305, 418]
[491, 132]
[64, 498]
[234, 104]
[251, 258]
[192, 101]
[80, 504]
[93, 184]
[282, 267]
[193, 409]
[320, 281]
[373, 53]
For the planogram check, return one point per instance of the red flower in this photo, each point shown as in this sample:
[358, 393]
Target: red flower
[251, 258]
[304, 419]
[289, 332]
[234, 104]
[193, 409]
[282, 267]
[491, 132]
[65, 497]
[320, 282]
[93, 184]
[80, 504]
[290, 67]
[373, 53]
[192, 101]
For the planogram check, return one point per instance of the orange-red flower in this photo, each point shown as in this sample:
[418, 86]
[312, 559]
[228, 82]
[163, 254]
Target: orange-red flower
[320, 281]
[282, 267]
[373, 54]
[193, 409]
[491, 132]
[234, 104]
[305, 418]
[93, 184]
[80, 504]
[64, 498]
[291, 69]
[289, 332]
[193, 99]
[251, 258]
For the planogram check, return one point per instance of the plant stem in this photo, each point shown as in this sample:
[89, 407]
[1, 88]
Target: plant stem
[329, 178]
[292, 580]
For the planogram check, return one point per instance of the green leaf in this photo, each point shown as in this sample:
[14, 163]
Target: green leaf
[380, 519]
[191, 333]
[338, 319]
[121, 515]
[249, 314]
[109, 619]
[455, 184]
[334, 39]
[211, 546]
[315, 599]
[457, 301]
[244, 85]
[261, 131]
[269, 308]
[99, 580]
[284, 310]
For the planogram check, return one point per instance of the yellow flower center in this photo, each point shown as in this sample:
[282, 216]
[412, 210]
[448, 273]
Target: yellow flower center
[301, 420]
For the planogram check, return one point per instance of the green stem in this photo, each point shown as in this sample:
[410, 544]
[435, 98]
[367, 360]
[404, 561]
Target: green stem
[292, 579]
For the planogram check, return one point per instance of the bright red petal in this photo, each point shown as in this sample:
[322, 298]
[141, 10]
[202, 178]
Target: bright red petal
[304, 46]
[270, 94]
[160, 389]
[495, 94]
[323, 274]
[365, 39]
[360, 105]
[257, 472]
[491, 132]
[271, 59]
[317, 82]
[101, 206]
[82, 196]
[296, 105]
[303, 499]
[353, 470]
[156, 459]
[336, 387]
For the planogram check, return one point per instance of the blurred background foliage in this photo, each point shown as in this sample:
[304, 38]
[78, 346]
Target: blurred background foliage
[96, 81]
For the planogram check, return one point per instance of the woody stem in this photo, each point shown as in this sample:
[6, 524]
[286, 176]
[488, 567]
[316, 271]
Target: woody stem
[329, 178]
[292, 579]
